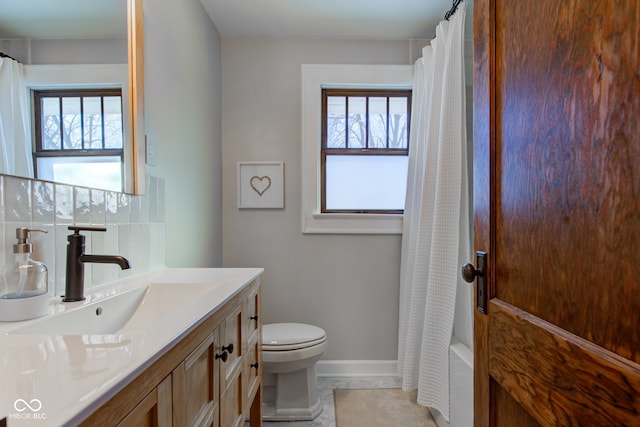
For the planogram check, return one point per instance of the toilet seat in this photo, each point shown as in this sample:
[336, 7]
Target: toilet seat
[291, 336]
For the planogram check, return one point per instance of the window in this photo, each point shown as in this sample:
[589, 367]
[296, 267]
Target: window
[365, 141]
[315, 78]
[79, 137]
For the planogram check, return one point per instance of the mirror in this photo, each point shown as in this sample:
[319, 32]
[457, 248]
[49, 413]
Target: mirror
[60, 38]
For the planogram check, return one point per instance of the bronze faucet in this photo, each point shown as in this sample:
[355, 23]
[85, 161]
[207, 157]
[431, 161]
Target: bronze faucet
[74, 283]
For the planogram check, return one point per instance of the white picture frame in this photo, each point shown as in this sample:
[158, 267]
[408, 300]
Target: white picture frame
[260, 185]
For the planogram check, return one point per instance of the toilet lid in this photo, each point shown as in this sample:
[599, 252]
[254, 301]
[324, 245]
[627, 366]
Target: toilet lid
[290, 336]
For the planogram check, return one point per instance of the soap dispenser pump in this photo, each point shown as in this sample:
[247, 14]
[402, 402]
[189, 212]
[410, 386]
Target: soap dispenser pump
[24, 293]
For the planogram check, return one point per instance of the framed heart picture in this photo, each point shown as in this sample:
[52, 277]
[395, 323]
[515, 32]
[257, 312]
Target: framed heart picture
[260, 185]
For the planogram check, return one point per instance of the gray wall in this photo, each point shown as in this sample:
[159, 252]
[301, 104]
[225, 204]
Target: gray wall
[182, 113]
[346, 284]
[99, 51]
[210, 103]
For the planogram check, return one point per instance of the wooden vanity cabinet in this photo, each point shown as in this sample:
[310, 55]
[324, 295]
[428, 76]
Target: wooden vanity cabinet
[212, 377]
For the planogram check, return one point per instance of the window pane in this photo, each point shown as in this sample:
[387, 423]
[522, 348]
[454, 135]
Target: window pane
[336, 114]
[72, 125]
[104, 172]
[357, 123]
[113, 132]
[50, 123]
[377, 122]
[365, 182]
[92, 122]
[398, 123]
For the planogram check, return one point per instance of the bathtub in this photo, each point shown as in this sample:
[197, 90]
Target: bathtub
[460, 386]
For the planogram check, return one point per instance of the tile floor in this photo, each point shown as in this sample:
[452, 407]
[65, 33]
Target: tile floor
[326, 385]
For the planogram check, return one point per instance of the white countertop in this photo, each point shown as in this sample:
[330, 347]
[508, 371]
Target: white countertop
[56, 380]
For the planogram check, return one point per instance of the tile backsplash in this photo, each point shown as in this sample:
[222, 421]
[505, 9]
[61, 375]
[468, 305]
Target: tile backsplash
[135, 226]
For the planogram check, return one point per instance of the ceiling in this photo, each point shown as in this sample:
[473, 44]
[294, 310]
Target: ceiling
[362, 19]
[63, 19]
[368, 19]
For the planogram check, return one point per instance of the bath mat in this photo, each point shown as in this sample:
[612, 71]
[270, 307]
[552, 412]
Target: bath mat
[384, 407]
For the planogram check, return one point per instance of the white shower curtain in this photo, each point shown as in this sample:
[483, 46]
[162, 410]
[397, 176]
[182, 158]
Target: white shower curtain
[436, 234]
[15, 133]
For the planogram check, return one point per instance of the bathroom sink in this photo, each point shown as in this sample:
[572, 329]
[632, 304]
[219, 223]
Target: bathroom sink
[161, 301]
[101, 317]
[131, 310]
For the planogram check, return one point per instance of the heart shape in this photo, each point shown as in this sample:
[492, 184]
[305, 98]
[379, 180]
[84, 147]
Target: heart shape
[260, 184]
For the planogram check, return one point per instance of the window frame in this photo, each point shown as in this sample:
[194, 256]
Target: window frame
[84, 76]
[366, 151]
[72, 153]
[314, 78]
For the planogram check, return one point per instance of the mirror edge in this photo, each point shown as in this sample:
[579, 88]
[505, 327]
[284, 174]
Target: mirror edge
[136, 92]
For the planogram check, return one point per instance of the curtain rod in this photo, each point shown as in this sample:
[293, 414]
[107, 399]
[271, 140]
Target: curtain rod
[4, 55]
[453, 9]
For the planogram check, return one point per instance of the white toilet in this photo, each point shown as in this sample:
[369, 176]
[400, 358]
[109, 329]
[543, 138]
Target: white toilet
[289, 355]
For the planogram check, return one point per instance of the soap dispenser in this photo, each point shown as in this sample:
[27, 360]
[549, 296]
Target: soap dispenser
[24, 293]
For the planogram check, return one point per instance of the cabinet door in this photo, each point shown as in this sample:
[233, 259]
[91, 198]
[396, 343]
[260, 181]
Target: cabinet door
[252, 338]
[231, 373]
[231, 344]
[253, 371]
[231, 413]
[195, 386]
[154, 410]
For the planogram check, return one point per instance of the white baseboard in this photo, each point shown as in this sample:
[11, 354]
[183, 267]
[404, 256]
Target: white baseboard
[357, 368]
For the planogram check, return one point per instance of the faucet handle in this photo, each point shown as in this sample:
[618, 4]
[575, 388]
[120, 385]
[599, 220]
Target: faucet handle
[78, 228]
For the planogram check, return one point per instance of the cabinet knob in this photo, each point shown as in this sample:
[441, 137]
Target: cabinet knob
[222, 356]
[228, 348]
[254, 318]
[254, 365]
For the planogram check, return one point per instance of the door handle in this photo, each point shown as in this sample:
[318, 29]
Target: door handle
[471, 273]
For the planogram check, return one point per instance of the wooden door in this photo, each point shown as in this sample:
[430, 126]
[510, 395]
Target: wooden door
[557, 209]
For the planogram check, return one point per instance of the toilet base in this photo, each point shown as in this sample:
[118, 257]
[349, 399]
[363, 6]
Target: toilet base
[291, 396]
[269, 413]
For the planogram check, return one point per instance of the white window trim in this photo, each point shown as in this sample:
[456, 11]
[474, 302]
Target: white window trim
[314, 79]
